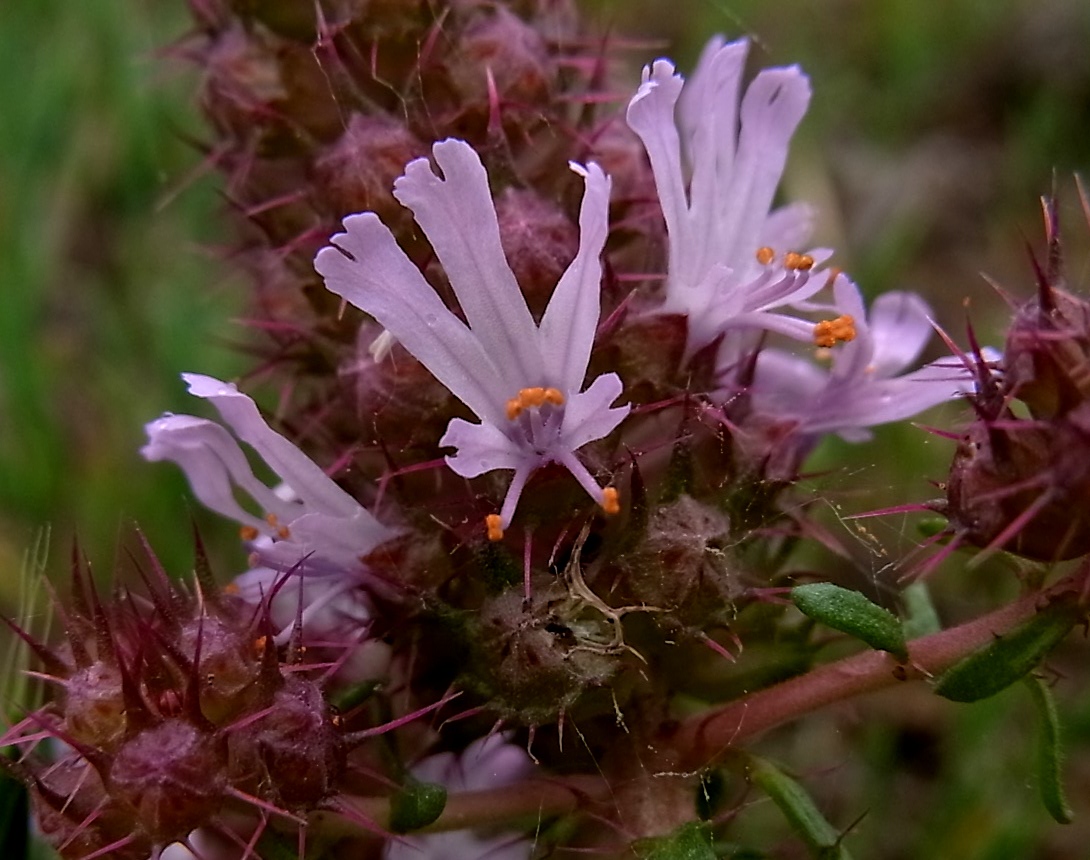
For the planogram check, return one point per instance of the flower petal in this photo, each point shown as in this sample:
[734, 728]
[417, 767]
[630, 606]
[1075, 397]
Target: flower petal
[458, 216]
[708, 113]
[308, 482]
[480, 448]
[214, 465]
[651, 116]
[772, 108]
[378, 278]
[900, 326]
[587, 415]
[571, 318]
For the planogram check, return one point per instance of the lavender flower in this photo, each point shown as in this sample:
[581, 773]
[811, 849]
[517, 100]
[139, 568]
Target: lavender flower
[491, 762]
[731, 259]
[310, 519]
[861, 389]
[523, 380]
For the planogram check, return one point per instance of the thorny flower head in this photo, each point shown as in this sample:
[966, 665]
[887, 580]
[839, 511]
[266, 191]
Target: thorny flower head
[717, 158]
[524, 380]
[310, 520]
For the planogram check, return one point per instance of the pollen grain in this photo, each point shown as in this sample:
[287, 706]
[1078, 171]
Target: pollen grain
[829, 333]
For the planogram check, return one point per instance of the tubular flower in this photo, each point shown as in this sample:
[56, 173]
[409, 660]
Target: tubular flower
[308, 521]
[862, 387]
[524, 381]
[491, 762]
[731, 257]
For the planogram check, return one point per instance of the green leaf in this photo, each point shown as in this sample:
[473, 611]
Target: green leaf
[1050, 753]
[1009, 658]
[416, 805]
[799, 809]
[850, 612]
[691, 841]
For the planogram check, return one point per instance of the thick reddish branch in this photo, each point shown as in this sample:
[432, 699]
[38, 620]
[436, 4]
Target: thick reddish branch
[704, 738]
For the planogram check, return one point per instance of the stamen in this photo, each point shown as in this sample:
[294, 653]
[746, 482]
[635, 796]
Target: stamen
[531, 398]
[765, 255]
[829, 333]
[232, 588]
[798, 262]
[494, 524]
[611, 501]
[248, 533]
[282, 532]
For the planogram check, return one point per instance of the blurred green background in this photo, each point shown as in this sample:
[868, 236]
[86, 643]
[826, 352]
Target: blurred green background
[933, 129]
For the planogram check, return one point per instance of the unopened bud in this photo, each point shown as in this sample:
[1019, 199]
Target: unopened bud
[357, 173]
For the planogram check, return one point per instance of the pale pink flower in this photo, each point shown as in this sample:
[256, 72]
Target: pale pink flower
[718, 157]
[524, 381]
[307, 523]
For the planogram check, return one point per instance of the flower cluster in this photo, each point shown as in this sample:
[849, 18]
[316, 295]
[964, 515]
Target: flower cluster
[563, 486]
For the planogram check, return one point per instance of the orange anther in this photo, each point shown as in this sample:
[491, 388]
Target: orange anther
[272, 520]
[232, 588]
[611, 501]
[495, 527]
[283, 533]
[792, 260]
[765, 255]
[805, 263]
[248, 533]
[531, 398]
[259, 644]
[828, 333]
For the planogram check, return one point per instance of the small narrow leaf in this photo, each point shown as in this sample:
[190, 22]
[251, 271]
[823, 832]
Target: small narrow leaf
[850, 612]
[799, 808]
[1009, 658]
[691, 841]
[416, 805]
[1050, 753]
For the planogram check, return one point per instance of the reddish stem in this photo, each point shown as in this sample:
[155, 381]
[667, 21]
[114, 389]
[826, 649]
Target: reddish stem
[702, 739]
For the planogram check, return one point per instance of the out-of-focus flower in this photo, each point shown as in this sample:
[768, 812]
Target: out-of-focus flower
[311, 521]
[490, 762]
[523, 380]
[717, 158]
[862, 387]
